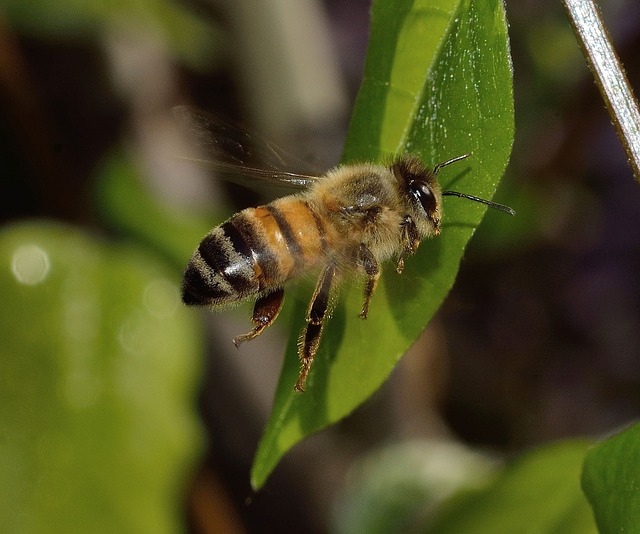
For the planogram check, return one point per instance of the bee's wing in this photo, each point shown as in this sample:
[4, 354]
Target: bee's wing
[242, 156]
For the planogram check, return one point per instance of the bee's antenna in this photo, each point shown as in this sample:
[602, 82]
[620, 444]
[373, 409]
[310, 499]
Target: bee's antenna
[495, 205]
[449, 162]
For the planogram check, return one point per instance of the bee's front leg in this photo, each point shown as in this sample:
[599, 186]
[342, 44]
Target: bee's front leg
[316, 315]
[265, 311]
[410, 241]
[372, 268]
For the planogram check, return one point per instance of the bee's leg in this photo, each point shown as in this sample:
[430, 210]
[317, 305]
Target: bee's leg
[265, 311]
[372, 268]
[316, 315]
[410, 240]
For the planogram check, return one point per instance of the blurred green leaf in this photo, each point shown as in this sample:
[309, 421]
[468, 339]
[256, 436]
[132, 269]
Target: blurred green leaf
[184, 34]
[99, 365]
[611, 480]
[537, 493]
[438, 83]
[128, 205]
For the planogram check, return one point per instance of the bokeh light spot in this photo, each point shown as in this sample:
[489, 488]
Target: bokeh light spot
[30, 264]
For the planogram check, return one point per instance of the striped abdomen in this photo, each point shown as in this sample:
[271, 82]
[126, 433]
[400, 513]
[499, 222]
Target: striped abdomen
[255, 250]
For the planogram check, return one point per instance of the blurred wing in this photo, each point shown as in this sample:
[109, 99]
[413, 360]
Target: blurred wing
[241, 156]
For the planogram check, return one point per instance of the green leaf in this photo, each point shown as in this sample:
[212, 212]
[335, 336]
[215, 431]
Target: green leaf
[538, 493]
[99, 368]
[611, 480]
[438, 84]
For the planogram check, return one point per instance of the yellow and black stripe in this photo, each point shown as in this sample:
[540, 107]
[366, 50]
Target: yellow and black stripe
[256, 250]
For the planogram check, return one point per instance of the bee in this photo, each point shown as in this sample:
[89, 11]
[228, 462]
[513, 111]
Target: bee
[352, 219]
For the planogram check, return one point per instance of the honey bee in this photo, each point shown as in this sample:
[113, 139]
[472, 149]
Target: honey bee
[351, 219]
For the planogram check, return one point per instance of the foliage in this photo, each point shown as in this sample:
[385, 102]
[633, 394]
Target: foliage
[611, 480]
[538, 492]
[98, 371]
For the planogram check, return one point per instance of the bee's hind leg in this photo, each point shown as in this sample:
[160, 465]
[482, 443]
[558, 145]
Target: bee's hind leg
[316, 315]
[265, 311]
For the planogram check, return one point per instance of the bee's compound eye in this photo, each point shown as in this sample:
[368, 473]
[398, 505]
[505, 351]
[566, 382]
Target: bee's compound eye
[423, 193]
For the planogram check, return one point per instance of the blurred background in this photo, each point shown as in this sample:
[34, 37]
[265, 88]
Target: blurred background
[104, 374]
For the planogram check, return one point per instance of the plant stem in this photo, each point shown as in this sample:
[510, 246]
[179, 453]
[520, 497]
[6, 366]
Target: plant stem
[609, 75]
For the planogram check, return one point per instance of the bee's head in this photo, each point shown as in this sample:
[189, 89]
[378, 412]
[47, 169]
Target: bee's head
[422, 194]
